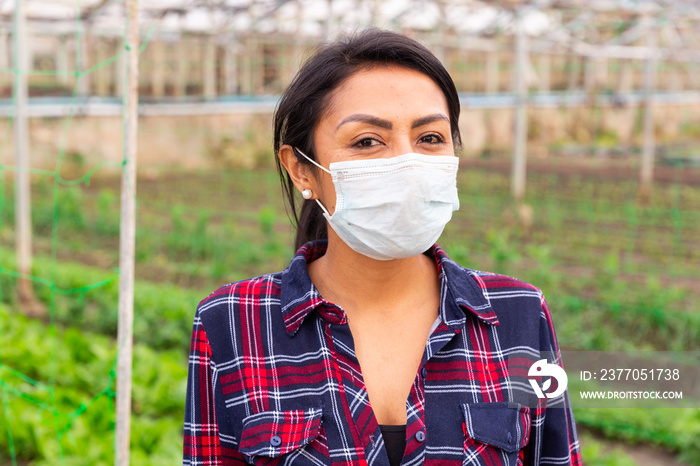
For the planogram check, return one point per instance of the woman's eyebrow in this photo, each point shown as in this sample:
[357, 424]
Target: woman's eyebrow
[364, 118]
[429, 119]
[386, 124]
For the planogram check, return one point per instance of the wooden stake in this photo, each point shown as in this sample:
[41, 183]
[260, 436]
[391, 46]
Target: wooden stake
[23, 229]
[646, 174]
[127, 241]
[520, 149]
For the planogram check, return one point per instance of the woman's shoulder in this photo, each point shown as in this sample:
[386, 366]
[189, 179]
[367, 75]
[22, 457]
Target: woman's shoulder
[245, 312]
[490, 283]
[521, 308]
[495, 283]
[250, 291]
[510, 298]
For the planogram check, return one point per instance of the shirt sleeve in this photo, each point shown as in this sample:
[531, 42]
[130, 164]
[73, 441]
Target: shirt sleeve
[560, 445]
[201, 430]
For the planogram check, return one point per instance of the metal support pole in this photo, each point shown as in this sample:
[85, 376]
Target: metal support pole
[82, 62]
[624, 81]
[676, 78]
[230, 68]
[544, 76]
[374, 8]
[250, 50]
[4, 55]
[121, 69]
[62, 60]
[23, 224]
[439, 46]
[209, 67]
[158, 63]
[601, 73]
[182, 69]
[127, 241]
[101, 75]
[492, 78]
[520, 148]
[589, 76]
[572, 66]
[646, 174]
[329, 24]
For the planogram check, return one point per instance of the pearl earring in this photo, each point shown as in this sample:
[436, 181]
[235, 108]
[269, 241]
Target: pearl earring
[306, 194]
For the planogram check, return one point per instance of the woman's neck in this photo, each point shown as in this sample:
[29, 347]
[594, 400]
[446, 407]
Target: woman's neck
[358, 283]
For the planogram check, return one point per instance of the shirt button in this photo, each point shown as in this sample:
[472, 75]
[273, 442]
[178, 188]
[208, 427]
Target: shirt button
[275, 441]
[510, 438]
[424, 372]
[420, 436]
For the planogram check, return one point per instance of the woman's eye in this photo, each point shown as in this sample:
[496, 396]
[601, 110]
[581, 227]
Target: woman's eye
[432, 139]
[366, 142]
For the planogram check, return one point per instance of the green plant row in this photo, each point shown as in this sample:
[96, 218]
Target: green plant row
[79, 362]
[86, 297]
[675, 429]
[557, 201]
[597, 311]
[204, 240]
[57, 392]
[594, 452]
[57, 389]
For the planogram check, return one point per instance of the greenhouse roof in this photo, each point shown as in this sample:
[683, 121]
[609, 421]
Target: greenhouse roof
[324, 17]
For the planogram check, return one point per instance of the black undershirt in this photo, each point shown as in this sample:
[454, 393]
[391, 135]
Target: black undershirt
[395, 442]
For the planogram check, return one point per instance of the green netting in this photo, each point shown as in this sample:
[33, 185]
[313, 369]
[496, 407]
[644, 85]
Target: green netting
[57, 382]
[53, 405]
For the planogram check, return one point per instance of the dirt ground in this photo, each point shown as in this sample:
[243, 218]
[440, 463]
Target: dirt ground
[643, 455]
[603, 169]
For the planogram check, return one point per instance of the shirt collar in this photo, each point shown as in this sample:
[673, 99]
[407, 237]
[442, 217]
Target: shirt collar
[461, 291]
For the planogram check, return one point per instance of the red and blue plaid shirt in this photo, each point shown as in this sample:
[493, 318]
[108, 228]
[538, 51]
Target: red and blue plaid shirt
[274, 379]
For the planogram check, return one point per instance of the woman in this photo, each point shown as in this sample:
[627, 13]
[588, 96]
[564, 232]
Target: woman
[372, 347]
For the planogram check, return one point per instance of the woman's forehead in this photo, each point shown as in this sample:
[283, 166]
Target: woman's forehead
[388, 92]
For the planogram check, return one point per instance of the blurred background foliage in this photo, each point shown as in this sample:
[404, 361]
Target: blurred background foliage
[617, 275]
[620, 271]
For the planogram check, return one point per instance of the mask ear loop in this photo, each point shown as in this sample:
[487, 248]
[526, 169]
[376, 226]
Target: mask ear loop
[313, 161]
[327, 215]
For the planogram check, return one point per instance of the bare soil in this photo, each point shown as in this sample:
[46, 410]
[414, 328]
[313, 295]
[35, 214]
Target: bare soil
[602, 169]
[643, 455]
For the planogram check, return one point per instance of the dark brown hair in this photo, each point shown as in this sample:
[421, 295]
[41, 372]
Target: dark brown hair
[307, 97]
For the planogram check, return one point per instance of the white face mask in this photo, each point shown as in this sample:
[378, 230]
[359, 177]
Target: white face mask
[392, 208]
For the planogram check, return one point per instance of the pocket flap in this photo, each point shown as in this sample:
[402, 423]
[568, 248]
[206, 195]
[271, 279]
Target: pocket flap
[275, 433]
[502, 424]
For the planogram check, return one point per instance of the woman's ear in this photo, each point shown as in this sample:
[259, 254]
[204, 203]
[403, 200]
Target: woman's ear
[300, 173]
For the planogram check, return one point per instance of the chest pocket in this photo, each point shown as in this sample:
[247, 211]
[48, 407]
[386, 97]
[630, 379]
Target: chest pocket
[284, 437]
[495, 433]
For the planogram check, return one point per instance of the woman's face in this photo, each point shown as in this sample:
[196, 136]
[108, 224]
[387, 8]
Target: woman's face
[380, 112]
